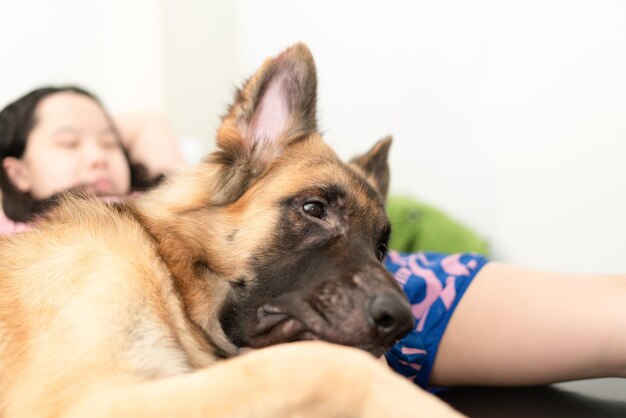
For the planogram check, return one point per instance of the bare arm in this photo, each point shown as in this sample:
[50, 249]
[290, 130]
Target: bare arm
[517, 326]
[150, 140]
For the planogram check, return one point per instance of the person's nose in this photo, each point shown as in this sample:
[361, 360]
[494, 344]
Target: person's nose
[95, 156]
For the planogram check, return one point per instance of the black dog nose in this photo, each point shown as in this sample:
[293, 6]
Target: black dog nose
[390, 315]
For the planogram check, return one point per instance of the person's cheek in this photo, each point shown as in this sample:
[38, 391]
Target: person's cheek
[51, 176]
[69, 171]
[121, 174]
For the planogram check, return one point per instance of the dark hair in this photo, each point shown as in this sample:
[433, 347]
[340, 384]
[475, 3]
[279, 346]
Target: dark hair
[16, 122]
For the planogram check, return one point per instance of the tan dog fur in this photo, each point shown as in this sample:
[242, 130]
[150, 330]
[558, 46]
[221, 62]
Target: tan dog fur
[105, 310]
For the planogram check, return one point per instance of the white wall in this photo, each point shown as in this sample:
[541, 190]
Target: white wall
[112, 48]
[509, 115]
[201, 64]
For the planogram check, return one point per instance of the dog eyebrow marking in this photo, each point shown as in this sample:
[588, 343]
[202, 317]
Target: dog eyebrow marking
[366, 187]
[332, 193]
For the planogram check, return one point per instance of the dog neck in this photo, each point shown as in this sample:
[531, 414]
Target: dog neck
[193, 279]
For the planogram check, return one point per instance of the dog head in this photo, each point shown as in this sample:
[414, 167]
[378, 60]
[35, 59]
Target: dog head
[273, 238]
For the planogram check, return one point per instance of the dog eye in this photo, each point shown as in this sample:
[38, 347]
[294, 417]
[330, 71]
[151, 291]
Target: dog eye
[382, 251]
[314, 209]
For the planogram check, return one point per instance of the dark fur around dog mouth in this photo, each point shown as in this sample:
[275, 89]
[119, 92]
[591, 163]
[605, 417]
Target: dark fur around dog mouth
[275, 325]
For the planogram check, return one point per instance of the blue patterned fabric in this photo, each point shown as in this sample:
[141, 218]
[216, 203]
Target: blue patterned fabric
[434, 284]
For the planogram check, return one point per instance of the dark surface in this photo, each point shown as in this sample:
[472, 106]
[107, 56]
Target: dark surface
[585, 398]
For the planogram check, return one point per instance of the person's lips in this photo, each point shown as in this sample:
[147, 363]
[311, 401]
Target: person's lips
[102, 186]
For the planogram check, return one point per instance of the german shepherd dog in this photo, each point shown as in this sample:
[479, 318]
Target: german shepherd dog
[139, 308]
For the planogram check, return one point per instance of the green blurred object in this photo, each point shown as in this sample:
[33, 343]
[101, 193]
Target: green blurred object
[417, 226]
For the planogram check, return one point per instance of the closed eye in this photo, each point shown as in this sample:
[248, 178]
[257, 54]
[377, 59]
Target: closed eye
[108, 140]
[68, 143]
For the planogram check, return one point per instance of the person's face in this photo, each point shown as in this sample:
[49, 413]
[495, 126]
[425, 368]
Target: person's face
[71, 145]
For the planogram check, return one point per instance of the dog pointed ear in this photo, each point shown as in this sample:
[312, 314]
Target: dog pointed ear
[275, 106]
[374, 165]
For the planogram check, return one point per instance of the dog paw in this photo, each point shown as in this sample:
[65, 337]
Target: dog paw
[335, 380]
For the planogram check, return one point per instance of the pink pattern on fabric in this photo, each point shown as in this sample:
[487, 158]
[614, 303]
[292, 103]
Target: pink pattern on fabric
[411, 365]
[422, 257]
[453, 266]
[448, 294]
[402, 275]
[422, 321]
[395, 257]
[472, 264]
[9, 226]
[411, 350]
[433, 287]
